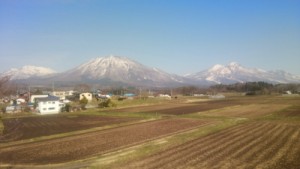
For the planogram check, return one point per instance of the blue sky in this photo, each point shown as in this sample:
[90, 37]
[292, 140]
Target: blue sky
[177, 36]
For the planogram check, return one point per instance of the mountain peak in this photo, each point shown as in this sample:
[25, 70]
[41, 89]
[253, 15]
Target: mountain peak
[234, 64]
[217, 66]
[28, 71]
[121, 69]
[234, 72]
[219, 69]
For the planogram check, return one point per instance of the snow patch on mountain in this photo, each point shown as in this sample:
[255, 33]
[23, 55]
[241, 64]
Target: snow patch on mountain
[234, 72]
[121, 69]
[28, 71]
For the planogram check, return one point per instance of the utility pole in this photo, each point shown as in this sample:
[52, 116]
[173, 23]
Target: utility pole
[140, 93]
[29, 93]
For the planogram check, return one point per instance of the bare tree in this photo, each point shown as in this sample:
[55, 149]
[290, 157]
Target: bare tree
[82, 88]
[5, 86]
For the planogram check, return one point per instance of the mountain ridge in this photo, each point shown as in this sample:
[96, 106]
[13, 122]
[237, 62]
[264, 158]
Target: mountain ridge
[28, 71]
[236, 73]
[122, 70]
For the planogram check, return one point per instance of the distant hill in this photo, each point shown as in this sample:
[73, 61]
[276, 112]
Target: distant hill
[27, 72]
[115, 70]
[234, 73]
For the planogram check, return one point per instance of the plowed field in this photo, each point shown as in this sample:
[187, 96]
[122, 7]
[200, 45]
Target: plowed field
[182, 108]
[246, 146]
[30, 127]
[252, 110]
[95, 143]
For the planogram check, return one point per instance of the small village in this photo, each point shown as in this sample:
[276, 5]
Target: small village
[44, 103]
[54, 102]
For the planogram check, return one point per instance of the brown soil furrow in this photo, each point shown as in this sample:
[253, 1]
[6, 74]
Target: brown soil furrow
[280, 155]
[272, 149]
[173, 154]
[183, 147]
[204, 159]
[267, 149]
[229, 157]
[86, 145]
[205, 151]
[32, 127]
[291, 159]
[251, 152]
[173, 108]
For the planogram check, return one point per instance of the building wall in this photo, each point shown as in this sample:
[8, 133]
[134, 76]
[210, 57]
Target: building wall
[33, 97]
[60, 94]
[49, 107]
[88, 96]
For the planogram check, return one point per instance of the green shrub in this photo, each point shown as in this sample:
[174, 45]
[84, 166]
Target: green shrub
[67, 108]
[83, 102]
[121, 98]
[2, 109]
[107, 103]
[1, 126]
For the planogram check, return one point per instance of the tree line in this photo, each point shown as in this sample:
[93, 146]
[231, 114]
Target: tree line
[257, 88]
[8, 88]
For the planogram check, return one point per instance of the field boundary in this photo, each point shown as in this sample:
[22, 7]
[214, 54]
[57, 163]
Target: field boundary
[245, 132]
[111, 145]
[119, 152]
[1, 126]
[166, 142]
[73, 133]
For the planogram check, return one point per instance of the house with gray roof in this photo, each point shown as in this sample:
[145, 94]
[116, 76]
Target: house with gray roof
[49, 105]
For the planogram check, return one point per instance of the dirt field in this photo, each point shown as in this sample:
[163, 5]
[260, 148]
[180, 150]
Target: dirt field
[31, 127]
[269, 137]
[293, 111]
[187, 108]
[253, 145]
[90, 144]
[252, 110]
[181, 108]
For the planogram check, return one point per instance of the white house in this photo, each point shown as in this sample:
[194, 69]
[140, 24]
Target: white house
[88, 96]
[33, 97]
[20, 101]
[60, 94]
[69, 92]
[288, 92]
[17, 101]
[49, 105]
[164, 96]
[218, 96]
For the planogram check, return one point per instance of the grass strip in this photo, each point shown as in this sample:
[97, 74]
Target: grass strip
[120, 114]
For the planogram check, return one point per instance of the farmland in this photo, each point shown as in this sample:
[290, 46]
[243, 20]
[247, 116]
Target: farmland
[259, 144]
[31, 127]
[236, 132]
[85, 145]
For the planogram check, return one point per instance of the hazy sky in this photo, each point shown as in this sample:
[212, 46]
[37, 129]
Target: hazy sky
[177, 36]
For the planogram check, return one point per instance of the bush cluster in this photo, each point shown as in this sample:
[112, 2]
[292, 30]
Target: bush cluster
[106, 103]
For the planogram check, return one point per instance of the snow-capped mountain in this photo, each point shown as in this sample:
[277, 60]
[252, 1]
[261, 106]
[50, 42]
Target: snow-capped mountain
[27, 72]
[120, 69]
[234, 72]
[124, 71]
